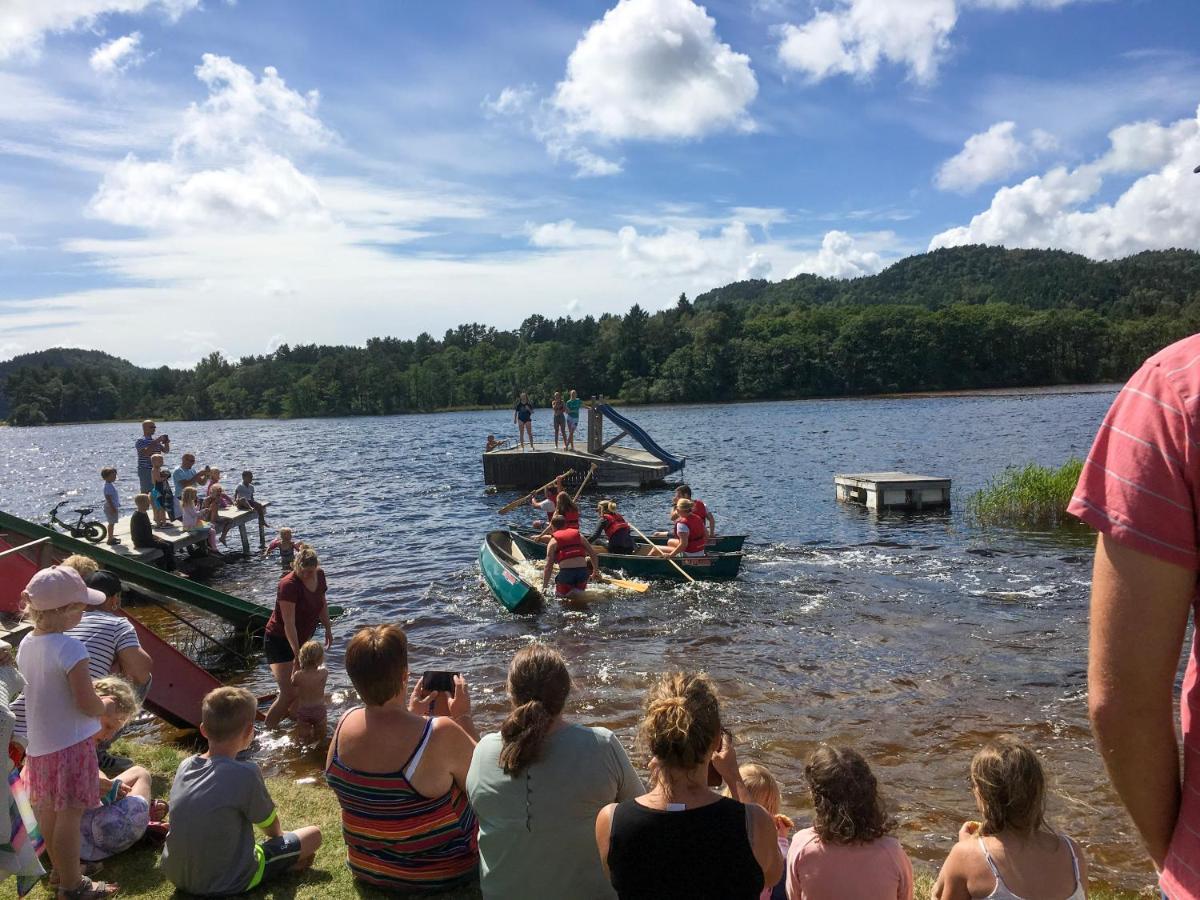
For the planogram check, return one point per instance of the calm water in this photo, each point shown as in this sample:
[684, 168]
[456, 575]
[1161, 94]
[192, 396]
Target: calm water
[914, 638]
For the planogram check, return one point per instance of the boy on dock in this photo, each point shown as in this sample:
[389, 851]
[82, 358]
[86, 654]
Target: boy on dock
[243, 495]
[112, 502]
[216, 802]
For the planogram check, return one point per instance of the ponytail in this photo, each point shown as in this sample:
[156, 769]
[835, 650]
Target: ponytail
[538, 685]
[682, 721]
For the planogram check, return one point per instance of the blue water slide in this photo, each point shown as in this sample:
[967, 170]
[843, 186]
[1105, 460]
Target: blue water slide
[674, 463]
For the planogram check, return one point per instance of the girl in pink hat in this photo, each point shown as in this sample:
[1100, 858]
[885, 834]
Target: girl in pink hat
[63, 713]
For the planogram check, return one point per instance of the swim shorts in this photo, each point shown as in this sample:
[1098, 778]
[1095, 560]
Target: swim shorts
[311, 715]
[275, 856]
[569, 580]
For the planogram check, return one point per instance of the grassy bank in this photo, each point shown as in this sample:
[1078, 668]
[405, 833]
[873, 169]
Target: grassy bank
[1034, 496]
[312, 804]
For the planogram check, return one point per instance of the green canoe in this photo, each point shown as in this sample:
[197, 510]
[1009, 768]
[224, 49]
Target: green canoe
[712, 567]
[241, 613]
[498, 558]
[718, 543]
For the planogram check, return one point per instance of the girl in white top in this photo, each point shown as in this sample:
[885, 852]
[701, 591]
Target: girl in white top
[1012, 854]
[63, 713]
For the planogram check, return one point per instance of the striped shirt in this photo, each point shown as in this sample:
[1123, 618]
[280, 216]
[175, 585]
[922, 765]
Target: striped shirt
[105, 635]
[1141, 487]
[398, 839]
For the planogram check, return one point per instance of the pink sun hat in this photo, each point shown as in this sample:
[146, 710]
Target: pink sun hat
[60, 586]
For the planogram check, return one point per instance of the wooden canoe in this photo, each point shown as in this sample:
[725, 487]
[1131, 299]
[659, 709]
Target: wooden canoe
[241, 613]
[711, 567]
[498, 559]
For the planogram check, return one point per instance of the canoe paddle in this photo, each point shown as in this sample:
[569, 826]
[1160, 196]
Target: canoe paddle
[654, 547]
[574, 499]
[511, 506]
[638, 586]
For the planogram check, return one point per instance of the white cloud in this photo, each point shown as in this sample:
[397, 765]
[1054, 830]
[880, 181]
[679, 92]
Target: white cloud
[987, 156]
[842, 256]
[228, 163]
[511, 101]
[564, 233]
[1160, 209]
[855, 37]
[655, 69]
[117, 55]
[25, 23]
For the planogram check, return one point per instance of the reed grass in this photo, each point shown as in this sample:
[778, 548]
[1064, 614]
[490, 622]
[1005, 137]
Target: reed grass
[1033, 496]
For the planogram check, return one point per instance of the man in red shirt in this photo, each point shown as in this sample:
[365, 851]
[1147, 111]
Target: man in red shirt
[1140, 488]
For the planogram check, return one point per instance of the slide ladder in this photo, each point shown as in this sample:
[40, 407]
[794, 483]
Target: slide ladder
[674, 463]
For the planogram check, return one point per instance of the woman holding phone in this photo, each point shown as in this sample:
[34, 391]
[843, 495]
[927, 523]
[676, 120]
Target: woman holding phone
[399, 774]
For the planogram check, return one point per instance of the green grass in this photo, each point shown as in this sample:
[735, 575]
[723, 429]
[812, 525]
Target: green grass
[1033, 496]
[312, 804]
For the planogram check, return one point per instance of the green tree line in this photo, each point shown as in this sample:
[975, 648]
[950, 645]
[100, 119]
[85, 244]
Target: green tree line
[969, 317]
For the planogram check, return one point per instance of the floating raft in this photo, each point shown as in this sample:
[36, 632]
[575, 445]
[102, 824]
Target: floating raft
[893, 490]
[616, 466]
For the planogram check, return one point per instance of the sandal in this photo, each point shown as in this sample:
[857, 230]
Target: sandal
[89, 890]
[85, 869]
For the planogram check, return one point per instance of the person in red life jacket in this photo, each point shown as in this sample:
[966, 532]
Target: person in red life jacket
[685, 492]
[689, 535]
[616, 529]
[564, 506]
[547, 503]
[571, 552]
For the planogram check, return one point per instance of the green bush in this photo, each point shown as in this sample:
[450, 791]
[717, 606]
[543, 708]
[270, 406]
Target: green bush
[1032, 496]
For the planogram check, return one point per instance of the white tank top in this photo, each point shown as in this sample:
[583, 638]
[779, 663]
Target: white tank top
[1001, 891]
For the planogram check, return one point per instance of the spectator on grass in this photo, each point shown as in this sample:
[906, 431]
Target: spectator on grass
[1140, 488]
[537, 786]
[682, 839]
[399, 773]
[849, 851]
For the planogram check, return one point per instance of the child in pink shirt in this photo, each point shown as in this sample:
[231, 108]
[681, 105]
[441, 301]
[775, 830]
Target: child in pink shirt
[849, 853]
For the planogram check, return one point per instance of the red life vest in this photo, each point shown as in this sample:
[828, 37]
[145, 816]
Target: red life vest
[700, 510]
[572, 517]
[696, 537]
[570, 544]
[614, 524]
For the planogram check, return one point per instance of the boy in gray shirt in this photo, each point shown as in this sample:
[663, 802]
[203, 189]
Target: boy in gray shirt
[217, 800]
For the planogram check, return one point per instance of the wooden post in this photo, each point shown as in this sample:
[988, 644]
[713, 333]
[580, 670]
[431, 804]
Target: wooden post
[262, 535]
[245, 537]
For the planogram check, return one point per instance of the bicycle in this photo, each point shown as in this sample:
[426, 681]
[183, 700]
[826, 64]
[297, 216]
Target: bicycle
[90, 530]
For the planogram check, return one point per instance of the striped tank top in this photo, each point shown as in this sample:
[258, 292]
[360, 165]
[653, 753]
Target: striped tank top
[398, 839]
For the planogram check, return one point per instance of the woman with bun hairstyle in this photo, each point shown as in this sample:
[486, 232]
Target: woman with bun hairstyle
[682, 839]
[537, 785]
[1013, 853]
[299, 607]
[615, 528]
[849, 853]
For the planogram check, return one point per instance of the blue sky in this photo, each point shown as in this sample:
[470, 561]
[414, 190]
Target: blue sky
[179, 176]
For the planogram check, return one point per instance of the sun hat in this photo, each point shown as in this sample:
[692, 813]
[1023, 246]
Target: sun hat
[105, 582]
[60, 586]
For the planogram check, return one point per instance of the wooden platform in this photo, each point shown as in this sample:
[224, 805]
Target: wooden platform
[180, 539]
[893, 490]
[510, 467]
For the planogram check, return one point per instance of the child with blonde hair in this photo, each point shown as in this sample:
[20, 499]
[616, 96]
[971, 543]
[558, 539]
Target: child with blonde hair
[309, 681]
[192, 517]
[64, 713]
[112, 502]
[161, 497]
[616, 530]
[764, 790]
[286, 546]
[1012, 852]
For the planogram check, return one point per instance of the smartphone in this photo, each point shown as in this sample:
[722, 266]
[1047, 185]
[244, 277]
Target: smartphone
[438, 681]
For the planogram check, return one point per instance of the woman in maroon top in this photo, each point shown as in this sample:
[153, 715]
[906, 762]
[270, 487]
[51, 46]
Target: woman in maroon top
[299, 606]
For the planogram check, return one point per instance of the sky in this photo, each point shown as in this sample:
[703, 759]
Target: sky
[184, 176]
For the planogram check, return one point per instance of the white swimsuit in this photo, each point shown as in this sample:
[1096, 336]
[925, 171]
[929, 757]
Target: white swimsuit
[1001, 891]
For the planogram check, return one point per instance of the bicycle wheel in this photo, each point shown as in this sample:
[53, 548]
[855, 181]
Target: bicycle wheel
[94, 532]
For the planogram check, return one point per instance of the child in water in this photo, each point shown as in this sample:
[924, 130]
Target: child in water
[286, 546]
[309, 681]
[1012, 853]
[64, 713]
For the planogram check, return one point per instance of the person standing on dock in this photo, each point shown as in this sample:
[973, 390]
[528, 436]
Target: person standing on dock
[573, 406]
[1140, 488]
[560, 419]
[523, 417]
[148, 445]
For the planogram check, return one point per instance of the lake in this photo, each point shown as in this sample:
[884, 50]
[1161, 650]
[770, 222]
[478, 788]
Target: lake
[913, 637]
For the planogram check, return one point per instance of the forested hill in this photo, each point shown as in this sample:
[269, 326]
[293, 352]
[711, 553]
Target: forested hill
[968, 317]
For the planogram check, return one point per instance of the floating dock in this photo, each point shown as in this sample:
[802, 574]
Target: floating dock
[644, 466]
[180, 538]
[893, 490]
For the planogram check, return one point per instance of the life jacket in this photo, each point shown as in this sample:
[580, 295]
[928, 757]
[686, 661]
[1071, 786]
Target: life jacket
[570, 544]
[701, 510]
[614, 524]
[572, 517]
[696, 537]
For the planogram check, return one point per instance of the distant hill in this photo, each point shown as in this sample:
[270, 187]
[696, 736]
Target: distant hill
[967, 317]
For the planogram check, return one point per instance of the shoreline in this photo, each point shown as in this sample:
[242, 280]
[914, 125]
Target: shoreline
[1044, 390]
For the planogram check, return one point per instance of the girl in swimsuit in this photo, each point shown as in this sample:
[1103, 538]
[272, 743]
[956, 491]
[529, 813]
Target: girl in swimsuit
[523, 417]
[1012, 854]
[560, 418]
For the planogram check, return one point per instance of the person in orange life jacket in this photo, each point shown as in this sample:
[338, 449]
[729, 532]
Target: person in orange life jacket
[615, 528]
[689, 536]
[546, 504]
[572, 553]
[563, 506]
[684, 491]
